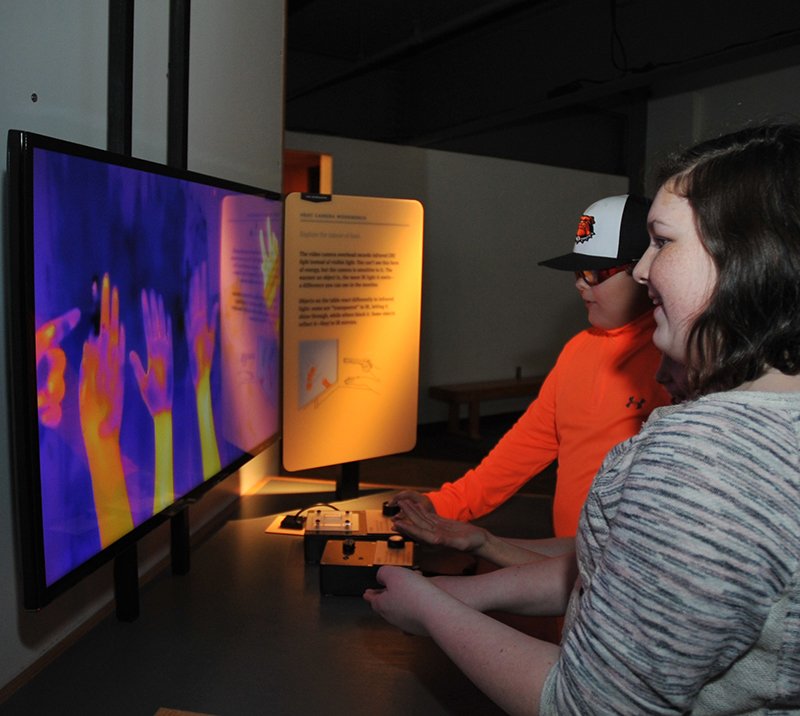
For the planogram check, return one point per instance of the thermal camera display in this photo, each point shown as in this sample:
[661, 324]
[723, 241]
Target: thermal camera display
[157, 304]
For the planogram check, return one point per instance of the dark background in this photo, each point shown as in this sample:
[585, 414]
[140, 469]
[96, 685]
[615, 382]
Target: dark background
[558, 82]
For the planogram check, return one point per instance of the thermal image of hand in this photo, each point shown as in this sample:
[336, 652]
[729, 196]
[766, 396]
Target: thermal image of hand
[51, 362]
[156, 387]
[100, 398]
[201, 335]
[155, 383]
[271, 274]
[201, 332]
[270, 264]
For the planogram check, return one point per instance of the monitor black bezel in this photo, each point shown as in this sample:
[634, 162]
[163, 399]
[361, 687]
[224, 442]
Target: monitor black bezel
[21, 360]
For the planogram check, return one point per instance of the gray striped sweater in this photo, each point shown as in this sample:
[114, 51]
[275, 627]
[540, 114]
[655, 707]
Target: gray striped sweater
[689, 557]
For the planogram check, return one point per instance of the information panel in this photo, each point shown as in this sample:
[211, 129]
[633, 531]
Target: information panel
[353, 282]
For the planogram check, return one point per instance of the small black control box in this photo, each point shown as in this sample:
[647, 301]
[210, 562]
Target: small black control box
[348, 567]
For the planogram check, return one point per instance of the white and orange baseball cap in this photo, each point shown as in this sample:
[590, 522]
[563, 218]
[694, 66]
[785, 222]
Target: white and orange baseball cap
[611, 232]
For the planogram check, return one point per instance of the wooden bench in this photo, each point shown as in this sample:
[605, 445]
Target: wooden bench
[474, 393]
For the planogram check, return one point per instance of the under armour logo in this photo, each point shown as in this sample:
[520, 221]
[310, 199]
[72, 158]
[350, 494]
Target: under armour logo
[632, 402]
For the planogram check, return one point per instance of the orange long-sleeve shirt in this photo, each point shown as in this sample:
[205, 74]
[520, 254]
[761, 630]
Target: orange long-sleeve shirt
[600, 391]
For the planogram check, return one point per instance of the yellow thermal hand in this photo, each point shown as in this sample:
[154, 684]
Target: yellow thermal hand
[271, 274]
[156, 387]
[201, 334]
[164, 489]
[100, 398]
[270, 264]
[51, 363]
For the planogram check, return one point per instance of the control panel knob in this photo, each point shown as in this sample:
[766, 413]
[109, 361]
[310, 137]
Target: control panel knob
[348, 547]
[396, 542]
[390, 510]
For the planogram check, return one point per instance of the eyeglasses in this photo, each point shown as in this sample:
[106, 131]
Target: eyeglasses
[597, 276]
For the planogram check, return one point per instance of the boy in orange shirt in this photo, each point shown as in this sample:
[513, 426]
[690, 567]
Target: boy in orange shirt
[601, 389]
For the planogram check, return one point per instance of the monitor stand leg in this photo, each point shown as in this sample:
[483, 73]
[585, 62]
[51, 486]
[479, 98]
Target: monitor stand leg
[126, 584]
[347, 484]
[179, 546]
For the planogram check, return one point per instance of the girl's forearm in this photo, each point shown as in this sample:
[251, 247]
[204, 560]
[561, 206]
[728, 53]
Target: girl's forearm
[507, 552]
[539, 588]
[507, 665]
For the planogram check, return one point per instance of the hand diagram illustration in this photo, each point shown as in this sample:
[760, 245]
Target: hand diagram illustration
[51, 362]
[100, 399]
[366, 378]
[201, 336]
[156, 387]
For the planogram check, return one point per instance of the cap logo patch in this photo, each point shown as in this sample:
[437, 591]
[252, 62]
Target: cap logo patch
[585, 229]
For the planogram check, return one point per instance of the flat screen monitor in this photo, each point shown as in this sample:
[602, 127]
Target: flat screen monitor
[143, 327]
